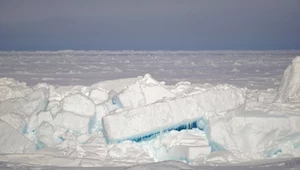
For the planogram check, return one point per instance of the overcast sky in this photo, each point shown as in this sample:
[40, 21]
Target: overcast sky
[149, 24]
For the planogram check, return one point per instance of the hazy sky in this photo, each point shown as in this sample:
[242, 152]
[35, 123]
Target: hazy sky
[149, 24]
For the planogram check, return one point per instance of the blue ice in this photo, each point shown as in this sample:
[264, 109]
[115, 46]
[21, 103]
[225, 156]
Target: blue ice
[116, 101]
[215, 146]
[204, 125]
[92, 124]
[273, 152]
[153, 135]
[25, 129]
[39, 145]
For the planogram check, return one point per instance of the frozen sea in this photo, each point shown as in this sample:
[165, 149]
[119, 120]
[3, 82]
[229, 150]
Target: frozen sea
[252, 69]
[259, 70]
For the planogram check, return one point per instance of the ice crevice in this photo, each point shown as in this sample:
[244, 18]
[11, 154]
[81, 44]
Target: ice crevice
[197, 124]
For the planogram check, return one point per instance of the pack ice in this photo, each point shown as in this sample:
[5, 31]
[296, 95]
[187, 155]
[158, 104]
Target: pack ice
[141, 120]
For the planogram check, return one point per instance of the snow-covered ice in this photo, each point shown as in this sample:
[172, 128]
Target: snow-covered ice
[170, 113]
[14, 142]
[227, 107]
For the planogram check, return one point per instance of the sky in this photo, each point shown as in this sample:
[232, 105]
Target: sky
[149, 24]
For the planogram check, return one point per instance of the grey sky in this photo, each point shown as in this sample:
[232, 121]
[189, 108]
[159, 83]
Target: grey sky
[149, 24]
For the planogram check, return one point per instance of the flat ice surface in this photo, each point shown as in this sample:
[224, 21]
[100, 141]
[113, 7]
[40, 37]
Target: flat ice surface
[82, 116]
[252, 69]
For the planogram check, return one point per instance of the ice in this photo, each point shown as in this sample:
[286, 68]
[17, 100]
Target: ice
[102, 109]
[144, 91]
[124, 122]
[165, 114]
[44, 117]
[184, 145]
[16, 121]
[254, 133]
[13, 141]
[115, 101]
[166, 165]
[220, 157]
[78, 104]
[98, 95]
[289, 90]
[31, 125]
[127, 149]
[10, 88]
[32, 103]
[16, 111]
[68, 120]
[46, 134]
[54, 107]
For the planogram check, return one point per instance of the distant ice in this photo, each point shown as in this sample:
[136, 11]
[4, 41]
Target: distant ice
[88, 67]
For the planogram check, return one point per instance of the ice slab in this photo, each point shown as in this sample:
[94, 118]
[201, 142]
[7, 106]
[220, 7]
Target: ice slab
[73, 122]
[30, 104]
[167, 114]
[16, 111]
[79, 104]
[13, 141]
[46, 134]
[255, 133]
[144, 91]
[98, 95]
[185, 145]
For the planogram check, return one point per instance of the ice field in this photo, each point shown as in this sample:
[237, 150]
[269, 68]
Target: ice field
[150, 109]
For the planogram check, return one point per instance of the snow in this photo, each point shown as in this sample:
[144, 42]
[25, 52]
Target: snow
[221, 110]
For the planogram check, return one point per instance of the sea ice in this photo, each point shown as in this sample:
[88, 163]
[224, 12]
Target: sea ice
[289, 90]
[184, 145]
[10, 88]
[13, 141]
[254, 133]
[78, 104]
[166, 114]
[70, 121]
[139, 120]
[46, 134]
[98, 95]
[143, 92]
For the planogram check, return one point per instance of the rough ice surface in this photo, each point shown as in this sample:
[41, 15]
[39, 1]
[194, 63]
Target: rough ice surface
[124, 122]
